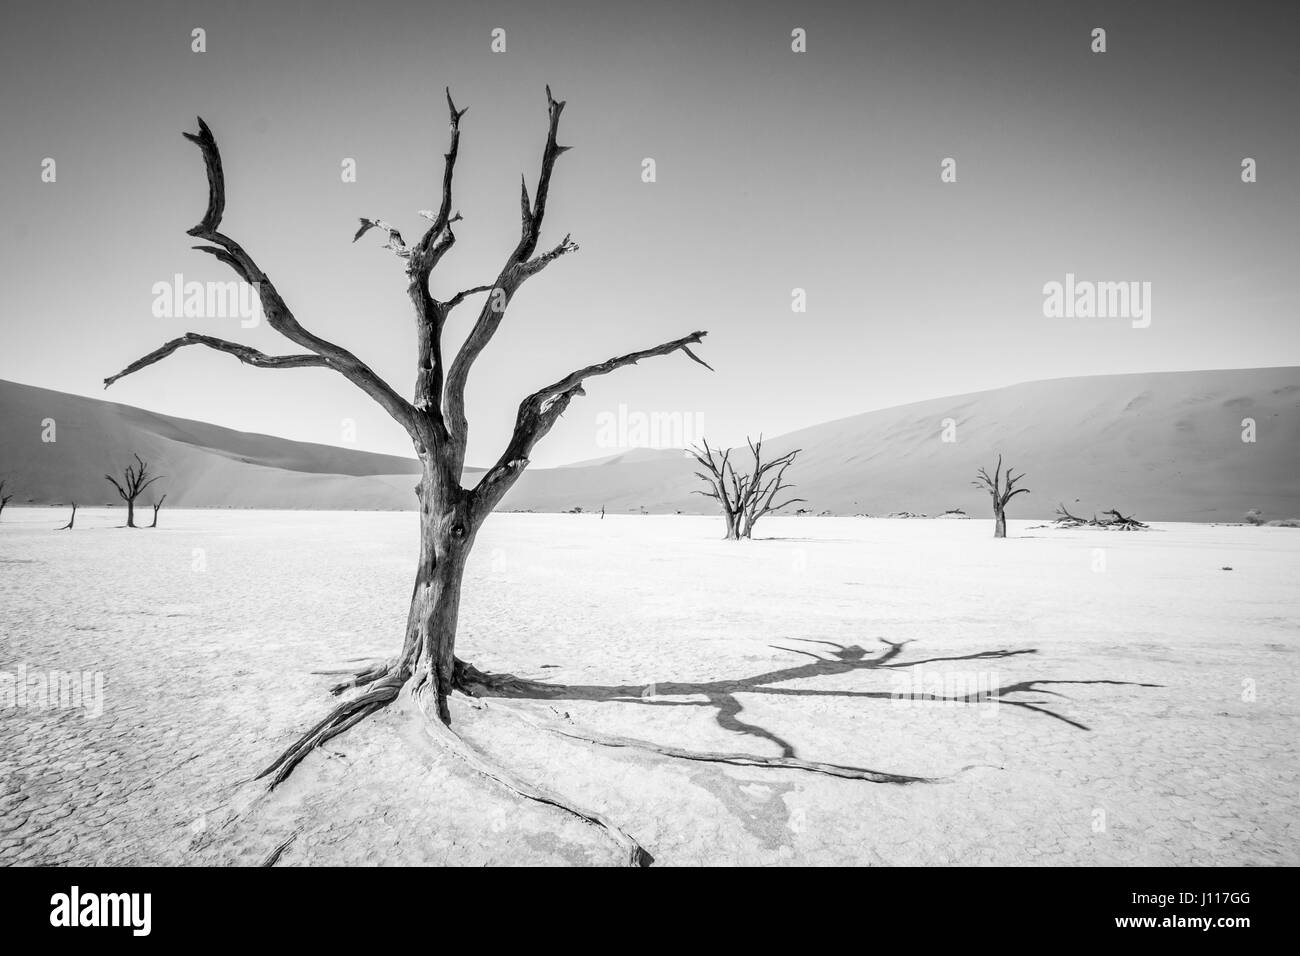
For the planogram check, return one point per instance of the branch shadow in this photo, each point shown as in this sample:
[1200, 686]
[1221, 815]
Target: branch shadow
[827, 660]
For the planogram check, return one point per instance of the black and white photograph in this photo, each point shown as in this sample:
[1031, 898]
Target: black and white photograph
[677, 435]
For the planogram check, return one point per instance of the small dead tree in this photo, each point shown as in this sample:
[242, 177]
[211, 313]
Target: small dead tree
[1002, 489]
[71, 521]
[450, 515]
[135, 479]
[156, 508]
[744, 498]
[4, 498]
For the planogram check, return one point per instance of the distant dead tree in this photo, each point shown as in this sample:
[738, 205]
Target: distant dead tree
[1116, 520]
[450, 515]
[1002, 489]
[156, 508]
[744, 498]
[68, 526]
[1067, 520]
[4, 498]
[135, 479]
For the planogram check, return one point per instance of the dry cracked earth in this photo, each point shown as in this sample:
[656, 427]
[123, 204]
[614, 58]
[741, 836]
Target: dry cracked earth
[1145, 715]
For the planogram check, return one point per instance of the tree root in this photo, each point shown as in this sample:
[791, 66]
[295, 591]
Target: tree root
[360, 678]
[634, 853]
[386, 681]
[273, 857]
[705, 756]
[472, 682]
[383, 692]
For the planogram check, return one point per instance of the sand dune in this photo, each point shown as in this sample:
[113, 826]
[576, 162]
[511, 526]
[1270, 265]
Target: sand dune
[1167, 446]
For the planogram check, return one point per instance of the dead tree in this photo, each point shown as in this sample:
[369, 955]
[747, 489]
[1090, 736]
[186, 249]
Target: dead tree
[1067, 520]
[1116, 520]
[1002, 489]
[450, 515]
[744, 498]
[4, 498]
[724, 485]
[135, 479]
[71, 521]
[156, 508]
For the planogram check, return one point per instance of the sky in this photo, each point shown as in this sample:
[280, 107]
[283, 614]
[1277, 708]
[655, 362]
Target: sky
[775, 170]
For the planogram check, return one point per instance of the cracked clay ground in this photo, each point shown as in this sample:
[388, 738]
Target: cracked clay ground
[1170, 738]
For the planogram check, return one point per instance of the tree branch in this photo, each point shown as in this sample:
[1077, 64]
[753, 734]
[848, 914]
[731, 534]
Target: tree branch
[120, 490]
[249, 356]
[460, 297]
[395, 241]
[430, 315]
[536, 265]
[515, 271]
[575, 379]
[277, 313]
[428, 250]
[543, 408]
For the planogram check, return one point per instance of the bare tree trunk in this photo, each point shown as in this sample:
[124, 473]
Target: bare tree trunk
[130, 512]
[446, 536]
[71, 521]
[999, 523]
[156, 508]
[733, 526]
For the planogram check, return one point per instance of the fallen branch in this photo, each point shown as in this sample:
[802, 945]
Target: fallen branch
[1066, 520]
[68, 526]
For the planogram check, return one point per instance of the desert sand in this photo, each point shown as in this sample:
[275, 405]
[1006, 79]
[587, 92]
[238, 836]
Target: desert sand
[1145, 707]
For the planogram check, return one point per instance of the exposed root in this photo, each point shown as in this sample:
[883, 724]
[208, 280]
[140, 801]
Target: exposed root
[634, 853]
[381, 693]
[360, 678]
[273, 857]
[735, 759]
[472, 682]
[386, 681]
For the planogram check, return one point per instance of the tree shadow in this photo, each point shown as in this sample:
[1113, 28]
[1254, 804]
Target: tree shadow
[829, 660]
